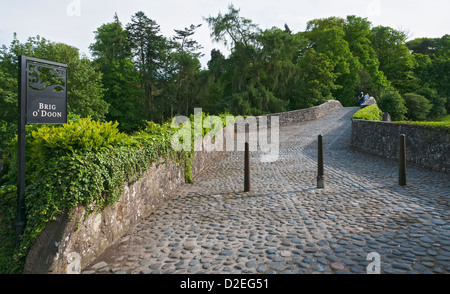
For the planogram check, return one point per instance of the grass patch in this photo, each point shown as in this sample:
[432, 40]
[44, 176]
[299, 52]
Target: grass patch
[431, 124]
[445, 118]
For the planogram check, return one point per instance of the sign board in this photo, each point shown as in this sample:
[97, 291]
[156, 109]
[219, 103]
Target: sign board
[45, 92]
[42, 91]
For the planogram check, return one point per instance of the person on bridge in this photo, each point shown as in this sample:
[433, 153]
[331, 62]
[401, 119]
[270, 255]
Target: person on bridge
[361, 98]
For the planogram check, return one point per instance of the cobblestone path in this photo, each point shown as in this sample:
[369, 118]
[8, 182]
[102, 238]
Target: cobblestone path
[286, 225]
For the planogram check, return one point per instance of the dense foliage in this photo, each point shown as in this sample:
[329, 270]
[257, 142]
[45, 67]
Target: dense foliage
[85, 88]
[393, 103]
[138, 79]
[139, 75]
[82, 163]
[417, 105]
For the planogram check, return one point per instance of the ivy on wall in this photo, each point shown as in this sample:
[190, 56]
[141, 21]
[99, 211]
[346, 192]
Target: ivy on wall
[82, 163]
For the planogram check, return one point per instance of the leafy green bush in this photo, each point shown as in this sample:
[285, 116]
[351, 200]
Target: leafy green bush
[81, 163]
[393, 103]
[418, 106]
[7, 132]
[437, 101]
[82, 135]
[444, 118]
[76, 137]
[371, 112]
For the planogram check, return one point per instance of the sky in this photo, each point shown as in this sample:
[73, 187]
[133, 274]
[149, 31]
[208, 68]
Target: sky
[74, 22]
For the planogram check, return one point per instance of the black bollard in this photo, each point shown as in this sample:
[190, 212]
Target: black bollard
[320, 176]
[247, 168]
[402, 161]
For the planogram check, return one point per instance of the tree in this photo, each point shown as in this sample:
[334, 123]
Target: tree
[146, 45]
[278, 57]
[327, 37]
[357, 34]
[425, 46]
[241, 91]
[8, 97]
[439, 69]
[232, 29]
[112, 54]
[320, 24]
[187, 65]
[216, 64]
[392, 102]
[395, 59]
[85, 91]
[315, 82]
[432, 67]
[111, 43]
[8, 109]
[418, 106]
[186, 44]
[438, 102]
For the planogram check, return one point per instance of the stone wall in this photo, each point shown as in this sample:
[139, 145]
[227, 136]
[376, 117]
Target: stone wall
[371, 101]
[70, 243]
[425, 147]
[307, 114]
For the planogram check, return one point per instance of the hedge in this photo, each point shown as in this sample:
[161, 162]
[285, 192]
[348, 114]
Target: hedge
[440, 125]
[371, 112]
[81, 163]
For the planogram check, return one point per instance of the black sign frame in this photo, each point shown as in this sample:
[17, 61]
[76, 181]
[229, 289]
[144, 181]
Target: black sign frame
[35, 97]
[44, 104]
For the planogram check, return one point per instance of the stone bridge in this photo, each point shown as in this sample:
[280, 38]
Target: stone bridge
[287, 225]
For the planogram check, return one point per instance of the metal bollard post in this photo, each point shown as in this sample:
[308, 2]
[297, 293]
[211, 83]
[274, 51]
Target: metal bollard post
[402, 161]
[320, 177]
[247, 168]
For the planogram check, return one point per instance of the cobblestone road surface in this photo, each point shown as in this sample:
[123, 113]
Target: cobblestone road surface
[286, 225]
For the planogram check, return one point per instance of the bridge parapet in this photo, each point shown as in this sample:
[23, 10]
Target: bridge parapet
[426, 147]
[69, 244]
[307, 114]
